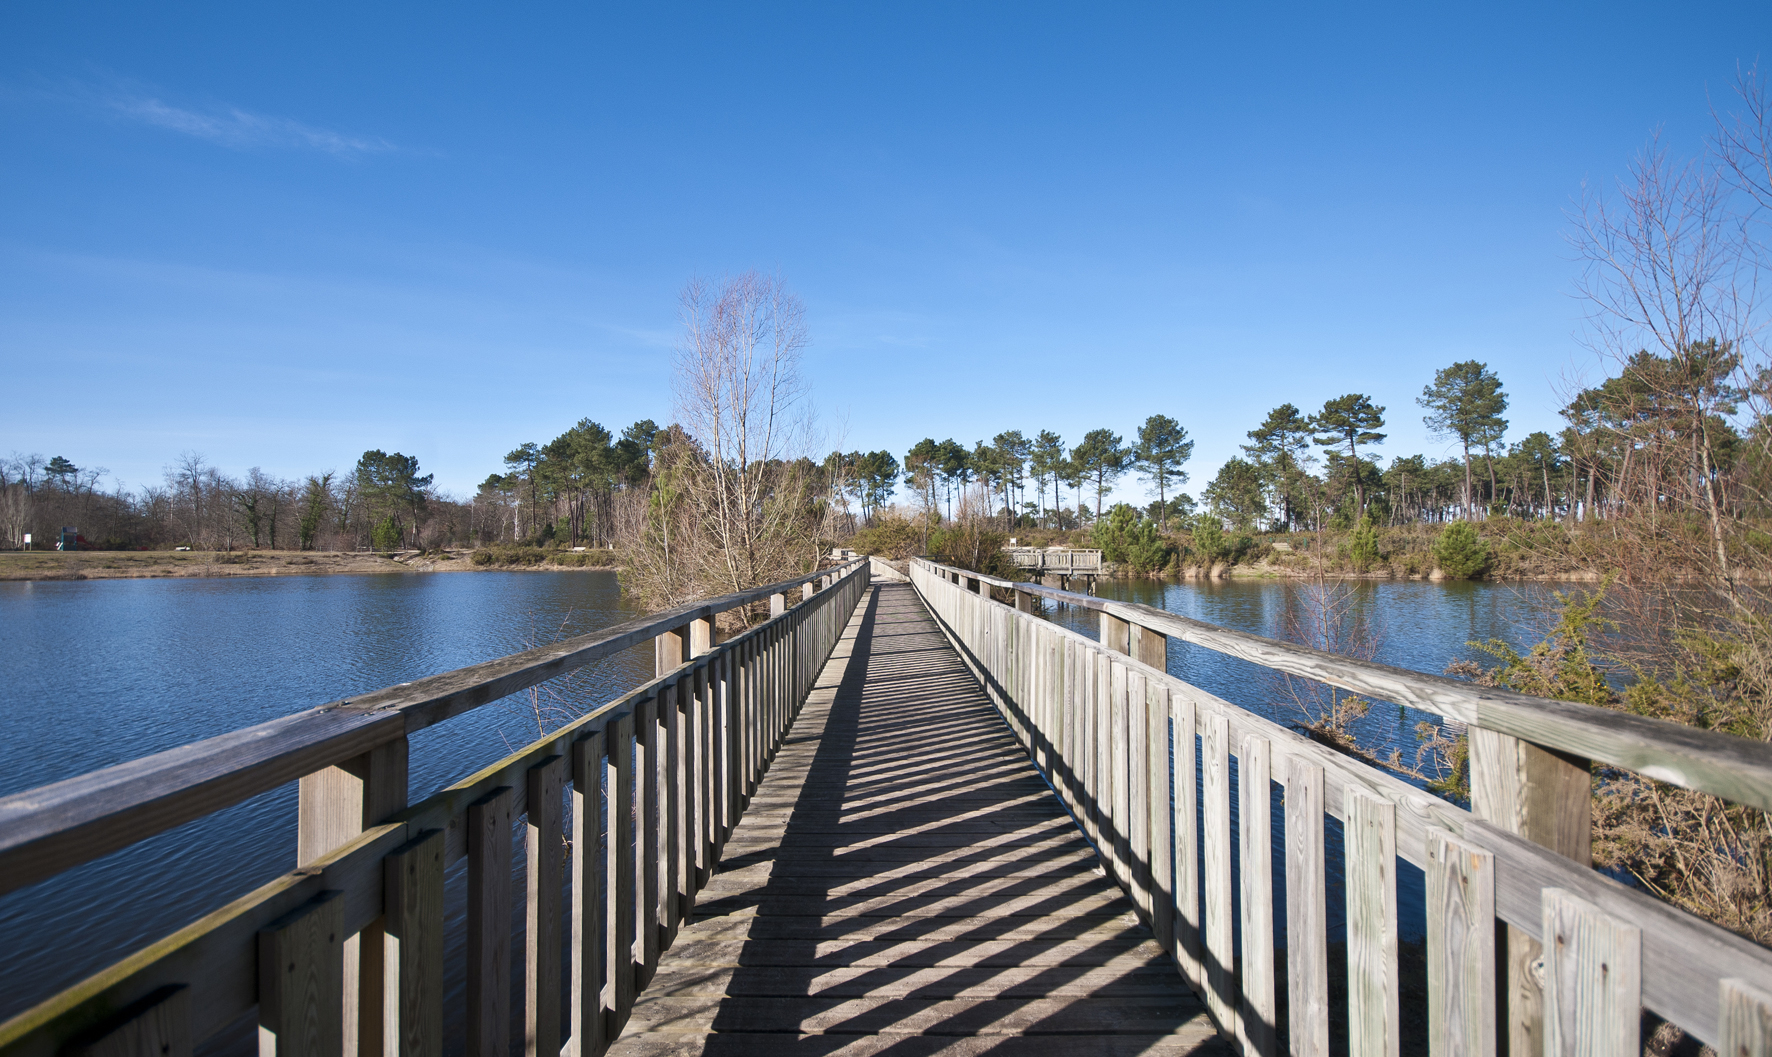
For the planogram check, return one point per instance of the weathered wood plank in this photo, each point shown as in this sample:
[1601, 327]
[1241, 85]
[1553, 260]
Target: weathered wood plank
[1221, 970]
[1307, 919]
[1186, 947]
[413, 896]
[1259, 1016]
[301, 982]
[1374, 1003]
[489, 925]
[621, 883]
[541, 960]
[1746, 1029]
[157, 1026]
[1593, 980]
[590, 940]
[1461, 950]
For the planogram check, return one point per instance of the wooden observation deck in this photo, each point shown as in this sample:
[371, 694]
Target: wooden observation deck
[903, 818]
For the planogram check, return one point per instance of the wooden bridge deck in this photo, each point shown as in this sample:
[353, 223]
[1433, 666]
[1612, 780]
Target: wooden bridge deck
[904, 882]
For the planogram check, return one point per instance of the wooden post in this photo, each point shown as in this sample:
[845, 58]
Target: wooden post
[1149, 647]
[336, 804]
[670, 649]
[1115, 634]
[807, 590]
[1024, 601]
[541, 993]
[778, 604]
[984, 587]
[701, 636]
[1543, 796]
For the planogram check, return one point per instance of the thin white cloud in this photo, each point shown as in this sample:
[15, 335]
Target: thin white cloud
[241, 129]
[222, 124]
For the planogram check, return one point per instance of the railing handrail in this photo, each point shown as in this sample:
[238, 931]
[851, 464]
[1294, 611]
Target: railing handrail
[1725, 765]
[55, 827]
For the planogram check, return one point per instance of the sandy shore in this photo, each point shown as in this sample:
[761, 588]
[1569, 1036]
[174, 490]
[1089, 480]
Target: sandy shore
[125, 565]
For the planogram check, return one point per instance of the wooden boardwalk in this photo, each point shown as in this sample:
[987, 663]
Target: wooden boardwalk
[904, 882]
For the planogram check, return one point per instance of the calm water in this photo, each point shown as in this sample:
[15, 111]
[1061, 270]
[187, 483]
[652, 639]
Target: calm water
[97, 672]
[94, 673]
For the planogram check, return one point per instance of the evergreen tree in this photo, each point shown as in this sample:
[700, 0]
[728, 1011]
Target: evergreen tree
[1465, 401]
[1352, 420]
[1163, 446]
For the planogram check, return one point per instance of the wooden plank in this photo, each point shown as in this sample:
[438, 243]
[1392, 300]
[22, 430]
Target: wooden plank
[1221, 970]
[1374, 1004]
[590, 941]
[301, 981]
[1460, 950]
[648, 896]
[157, 1026]
[1148, 646]
[671, 807]
[670, 650]
[1115, 634]
[489, 925]
[1260, 1012]
[413, 896]
[1746, 1029]
[1115, 717]
[542, 953]
[1307, 918]
[1186, 947]
[1544, 797]
[1593, 980]
[619, 914]
[1158, 813]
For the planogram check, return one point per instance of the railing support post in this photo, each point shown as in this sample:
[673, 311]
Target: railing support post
[701, 636]
[1149, 647]
[807, 590]
[335, 805]
[984, 587]
[1115, 634]
[1024, 601]
[1543, 796]
[670, 650]
[778, 604]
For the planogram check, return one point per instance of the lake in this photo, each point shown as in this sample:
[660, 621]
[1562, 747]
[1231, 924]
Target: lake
[98, 672]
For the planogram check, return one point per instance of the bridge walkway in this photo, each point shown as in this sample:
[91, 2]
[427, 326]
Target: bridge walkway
[904, 882]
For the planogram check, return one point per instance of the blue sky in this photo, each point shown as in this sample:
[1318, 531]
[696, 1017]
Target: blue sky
[280, 237]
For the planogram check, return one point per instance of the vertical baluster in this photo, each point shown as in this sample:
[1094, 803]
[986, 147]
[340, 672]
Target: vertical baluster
[620, 911]
[1593, 980]
[590, 940]
[1373, 1013]
[1307, 937]
[646, 839]
[541, 995]
[156, 1026]
[1254, 810]
[1186, 944]
[301, 981]
[1158, 814]
[1460, 948]
[412, 895]
[489, 924]
[1745, 1015]
[1138, 789]
[1220, 970]
[680, 758]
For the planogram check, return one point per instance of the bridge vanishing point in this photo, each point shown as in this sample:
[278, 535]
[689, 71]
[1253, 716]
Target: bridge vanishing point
[903, 818]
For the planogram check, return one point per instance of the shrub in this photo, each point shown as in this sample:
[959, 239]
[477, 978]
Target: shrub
[1460, 553]
[481, 557]
[891, 537]
[1362, 545]
[385, 536]
[1209, 541]
[1124, 536]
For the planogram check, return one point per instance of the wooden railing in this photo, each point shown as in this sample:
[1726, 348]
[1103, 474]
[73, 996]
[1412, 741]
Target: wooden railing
[344, 955]
[1580, 955]
[1055, 561]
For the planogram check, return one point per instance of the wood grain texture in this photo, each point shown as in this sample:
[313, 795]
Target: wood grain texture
[157, 1026]
[1374, 1004]
[1461, 950]
[301, 981]
[489, 925]
[413, 896]
[541, 940]
[1187, 945]
[1259, 1017]
[1221, 970]
[1593, 979]
[590, 940]
[1307, 919]
[1746, 1029]
[621, 883]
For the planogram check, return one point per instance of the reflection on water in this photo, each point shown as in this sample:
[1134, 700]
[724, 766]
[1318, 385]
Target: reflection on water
[98, 672]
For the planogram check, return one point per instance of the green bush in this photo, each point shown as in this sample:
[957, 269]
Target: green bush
[481, 557]
[1460, 553]
[1209, 540]
[1125, 537]
[385, 536]
[1362, 546]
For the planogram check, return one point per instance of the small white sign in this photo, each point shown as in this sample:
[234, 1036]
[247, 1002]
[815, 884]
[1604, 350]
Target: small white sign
[27, 539]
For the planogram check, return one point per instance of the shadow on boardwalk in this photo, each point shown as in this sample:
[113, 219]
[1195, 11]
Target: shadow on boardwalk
[903, 882]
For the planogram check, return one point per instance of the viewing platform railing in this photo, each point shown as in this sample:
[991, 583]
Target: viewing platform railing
[1115, 735]
[1054, 561]
[344, 954]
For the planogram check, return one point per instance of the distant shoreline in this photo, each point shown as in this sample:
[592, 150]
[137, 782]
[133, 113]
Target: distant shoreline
[160, 565]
